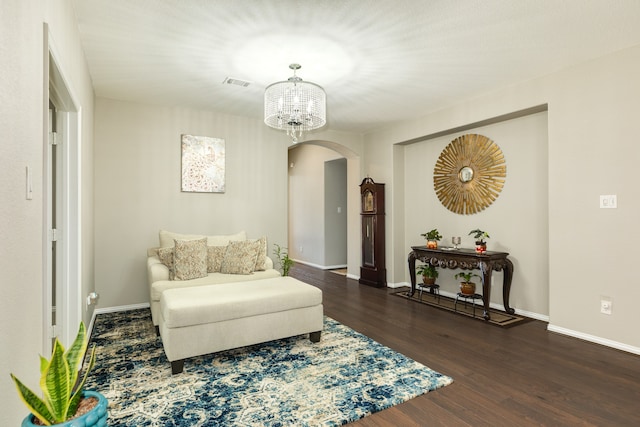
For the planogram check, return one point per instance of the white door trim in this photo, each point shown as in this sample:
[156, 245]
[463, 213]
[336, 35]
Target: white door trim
[69, 219]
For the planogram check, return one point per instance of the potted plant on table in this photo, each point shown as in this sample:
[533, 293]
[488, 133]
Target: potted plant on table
[432, 238]
[429, 273]
[481, 244]
[467, 287]
[64, 401]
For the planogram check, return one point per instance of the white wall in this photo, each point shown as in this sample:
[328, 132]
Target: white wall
[592, 136]
[137, 182]
[22, 102]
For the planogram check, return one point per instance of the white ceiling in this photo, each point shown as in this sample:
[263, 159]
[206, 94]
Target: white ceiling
[379, 61]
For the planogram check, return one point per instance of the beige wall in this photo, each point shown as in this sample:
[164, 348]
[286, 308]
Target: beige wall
[591, 147]
[137, 182]
[307, 203]
[22, 101]
[515, 221]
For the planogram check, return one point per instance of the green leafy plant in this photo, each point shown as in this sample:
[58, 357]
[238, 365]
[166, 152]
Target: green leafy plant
[59, 383]
[432, 235]
[466, 276]
[479, 235]
[283, 259]
[427, 270]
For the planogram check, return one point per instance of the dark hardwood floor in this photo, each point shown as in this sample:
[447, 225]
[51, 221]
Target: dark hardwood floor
[522, 376]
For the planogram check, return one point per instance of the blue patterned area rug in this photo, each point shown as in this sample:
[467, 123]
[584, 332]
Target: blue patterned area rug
[289, 382]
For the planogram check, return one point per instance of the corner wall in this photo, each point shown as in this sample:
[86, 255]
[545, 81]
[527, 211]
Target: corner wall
[138, 190]
[516, 220]
[23, 99]
[592, 147]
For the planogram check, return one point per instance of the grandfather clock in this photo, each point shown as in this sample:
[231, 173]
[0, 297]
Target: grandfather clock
[372, 270]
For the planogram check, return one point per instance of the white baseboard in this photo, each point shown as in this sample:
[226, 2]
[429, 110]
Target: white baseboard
[398, 285]
[121, 308]
[495, 306]
[594, 339]
[554, 328]
[321, 267]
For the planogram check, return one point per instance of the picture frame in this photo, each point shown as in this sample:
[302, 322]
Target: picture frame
[203, 164]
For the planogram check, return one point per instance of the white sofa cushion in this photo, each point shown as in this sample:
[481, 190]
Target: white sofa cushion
[167, 238]
[209, 304]
[161, 280]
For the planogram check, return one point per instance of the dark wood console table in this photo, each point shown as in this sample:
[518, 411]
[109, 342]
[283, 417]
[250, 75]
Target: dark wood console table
[467, 259]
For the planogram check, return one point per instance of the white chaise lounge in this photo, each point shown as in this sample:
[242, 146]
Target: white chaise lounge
[160, 273]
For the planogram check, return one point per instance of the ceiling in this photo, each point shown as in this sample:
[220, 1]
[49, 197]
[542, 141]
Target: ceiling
[379, 61]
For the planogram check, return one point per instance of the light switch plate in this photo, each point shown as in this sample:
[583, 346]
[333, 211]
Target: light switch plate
[609, 201]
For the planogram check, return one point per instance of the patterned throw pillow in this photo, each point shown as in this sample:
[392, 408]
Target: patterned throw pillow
[262, 253]
[190, 259]
[215, 255]
[166, 257]
[240, 257]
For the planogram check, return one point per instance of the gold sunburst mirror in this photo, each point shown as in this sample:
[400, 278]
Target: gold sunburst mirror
[469, 174]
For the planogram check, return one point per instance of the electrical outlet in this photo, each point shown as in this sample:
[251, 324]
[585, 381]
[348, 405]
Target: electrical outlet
[609, 201]
[605, 306]
[92, 298]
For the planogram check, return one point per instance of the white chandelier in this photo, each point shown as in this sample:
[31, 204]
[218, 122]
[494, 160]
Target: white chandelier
[295, 106]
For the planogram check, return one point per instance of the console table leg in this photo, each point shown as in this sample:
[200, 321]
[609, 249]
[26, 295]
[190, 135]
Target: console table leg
[506, 285]
[412, 272]
[486, 270]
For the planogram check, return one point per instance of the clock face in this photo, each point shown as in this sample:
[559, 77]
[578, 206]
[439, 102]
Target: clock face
[367, 201]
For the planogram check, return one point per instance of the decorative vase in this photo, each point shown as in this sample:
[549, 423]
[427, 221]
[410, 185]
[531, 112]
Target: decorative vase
[432, 244]
[467, 288]
[96, 417]
[481, 247]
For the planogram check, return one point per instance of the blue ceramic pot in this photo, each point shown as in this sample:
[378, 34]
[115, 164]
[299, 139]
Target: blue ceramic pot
[97, 417]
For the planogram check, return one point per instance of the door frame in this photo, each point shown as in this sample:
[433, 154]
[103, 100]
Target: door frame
[68, 254]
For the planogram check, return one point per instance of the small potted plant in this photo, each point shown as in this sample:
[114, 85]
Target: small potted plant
[283, 259]
[432, 238]
[479, 235]
[429, 273]
[64, 401]
[467, 287]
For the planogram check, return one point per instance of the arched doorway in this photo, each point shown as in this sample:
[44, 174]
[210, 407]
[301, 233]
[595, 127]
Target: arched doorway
[315, 229]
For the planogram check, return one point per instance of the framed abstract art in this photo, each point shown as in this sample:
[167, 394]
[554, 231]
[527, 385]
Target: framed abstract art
[203, 164]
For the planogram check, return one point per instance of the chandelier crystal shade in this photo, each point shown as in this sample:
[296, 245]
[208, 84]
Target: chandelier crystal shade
[295, 106]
